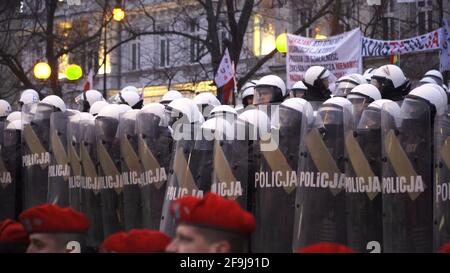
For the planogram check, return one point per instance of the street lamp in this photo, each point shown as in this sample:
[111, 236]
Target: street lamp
[73, 72]
[118, 15]
[42, 71]
[281, 43]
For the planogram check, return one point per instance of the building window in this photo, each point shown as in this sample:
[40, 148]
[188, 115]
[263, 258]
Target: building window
[194, 45]
[164, 53]
[263, 35]
[424, 16]
[135, 57]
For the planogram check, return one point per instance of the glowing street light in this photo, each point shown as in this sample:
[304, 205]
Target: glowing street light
[281, 43]
[42, 71]
[118, 14]
[74, 72]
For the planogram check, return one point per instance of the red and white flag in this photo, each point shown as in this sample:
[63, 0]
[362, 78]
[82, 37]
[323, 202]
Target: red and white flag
[89, 83]
[225, 76]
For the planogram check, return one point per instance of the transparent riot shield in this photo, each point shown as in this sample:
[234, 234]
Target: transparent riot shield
[90, 188]
[407, 178]
[131, 170]
[154, 149]
[320, 199]
[109, 174]
[35, 152]
[363, 187]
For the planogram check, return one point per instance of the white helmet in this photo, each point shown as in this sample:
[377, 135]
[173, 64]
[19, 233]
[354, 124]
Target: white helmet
[219, 128]
[368, 74]
[226, 109]
[435, 75]
[298, 89]
[5, 108]
[432, 95]
[445, 88]
[365, 90]
[91, 96]
[155, 108]
[97, 106]
[388, 106]
[302, 106]
[248, 89]
[314, 75]
[16, 115]
[125, 108]
[170, 96]
[338, 101]
[29, 96]
[369, 71]
[56, 102]
[427, 79]
[439, 89]
[206, 98]
[130, 88]
[299, 85]
[14, 125]
[258, 119]
[132, 99]
[270, 88]
[391, 73]
[111, 111]
[186, 108]
[346, 83]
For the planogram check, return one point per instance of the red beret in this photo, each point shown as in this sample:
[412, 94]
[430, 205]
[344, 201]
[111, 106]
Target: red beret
[325, 247]
[136, 241]
[53, 219]
[213, 210]
[445, 248]
[13, 232]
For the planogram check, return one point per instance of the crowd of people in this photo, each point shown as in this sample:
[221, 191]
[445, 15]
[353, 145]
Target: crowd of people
[163, 188]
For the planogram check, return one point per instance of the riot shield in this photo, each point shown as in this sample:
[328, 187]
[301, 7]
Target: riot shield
[109, 174]
[320, 198]
[230, 160]
[189, 171]
[407, 178]
[59, 168]
[10, 163]
[155, 147]
[275, 181]
[90, 188]
[441, 229]
[131, 170]
[35, 153]
[74, 140]
[363, 187]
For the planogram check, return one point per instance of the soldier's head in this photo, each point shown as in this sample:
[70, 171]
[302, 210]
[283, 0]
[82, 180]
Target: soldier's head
[391, 82]
[13, 237]
[53, 229]
[210, 224]
[135, 241]
[269, 89]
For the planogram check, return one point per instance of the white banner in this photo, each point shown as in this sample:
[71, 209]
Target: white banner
[225, 72]
[340, 54]
[445, 47]
[373, 48]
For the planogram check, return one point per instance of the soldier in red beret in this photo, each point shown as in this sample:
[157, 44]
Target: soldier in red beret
[210, 224]
[53, 229]
[136, 241]
[13, 237]
[325, 247]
